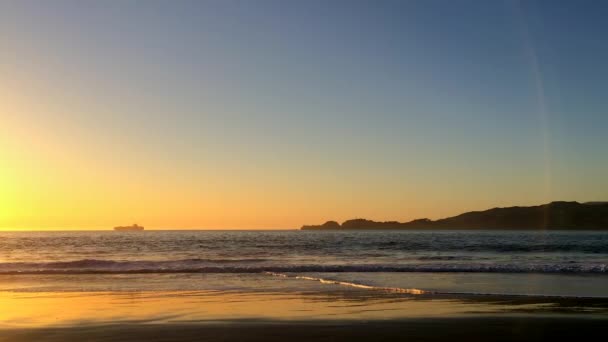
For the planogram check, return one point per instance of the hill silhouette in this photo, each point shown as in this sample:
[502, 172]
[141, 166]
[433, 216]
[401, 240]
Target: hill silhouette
[554, 215]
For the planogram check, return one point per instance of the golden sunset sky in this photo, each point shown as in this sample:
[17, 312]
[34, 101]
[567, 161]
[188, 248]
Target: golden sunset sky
[226, 115]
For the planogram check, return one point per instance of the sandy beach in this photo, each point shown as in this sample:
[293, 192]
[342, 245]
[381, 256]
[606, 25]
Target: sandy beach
[333, 314]
[522, 328]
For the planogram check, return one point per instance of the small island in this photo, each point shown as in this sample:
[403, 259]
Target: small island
[131, 228]
[555, 215]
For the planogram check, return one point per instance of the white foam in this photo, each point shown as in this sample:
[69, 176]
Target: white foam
[350, 284]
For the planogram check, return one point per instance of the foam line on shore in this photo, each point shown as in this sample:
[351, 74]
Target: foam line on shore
[351, 284]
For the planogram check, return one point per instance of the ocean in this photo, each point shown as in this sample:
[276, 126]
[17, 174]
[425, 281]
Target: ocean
[546, 263]
[314, 285]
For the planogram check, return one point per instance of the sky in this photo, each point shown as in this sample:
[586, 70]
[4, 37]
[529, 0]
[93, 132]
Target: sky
[273, 114]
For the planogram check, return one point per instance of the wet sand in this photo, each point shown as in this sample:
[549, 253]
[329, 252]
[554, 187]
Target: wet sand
[522, 328]
[52, 309]
[322, 313]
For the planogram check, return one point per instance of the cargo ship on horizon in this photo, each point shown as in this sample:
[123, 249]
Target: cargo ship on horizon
[131, 228]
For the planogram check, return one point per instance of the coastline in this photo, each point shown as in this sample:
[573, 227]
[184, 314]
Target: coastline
[558, 215]
[258, 311]
[271, 286]
[37, 315]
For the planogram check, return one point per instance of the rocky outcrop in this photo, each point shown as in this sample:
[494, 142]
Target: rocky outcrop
[554, 215]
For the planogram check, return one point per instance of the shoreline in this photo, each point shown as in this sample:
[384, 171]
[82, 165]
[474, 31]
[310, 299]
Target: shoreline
[34, 310]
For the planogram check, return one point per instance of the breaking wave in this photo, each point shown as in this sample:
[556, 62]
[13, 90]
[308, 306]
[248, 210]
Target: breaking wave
[351, 284]
[94, 266]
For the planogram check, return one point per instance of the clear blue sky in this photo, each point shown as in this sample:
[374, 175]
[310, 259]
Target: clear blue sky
[300, 111]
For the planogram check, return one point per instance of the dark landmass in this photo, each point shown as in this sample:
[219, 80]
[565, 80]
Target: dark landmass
[555, 215]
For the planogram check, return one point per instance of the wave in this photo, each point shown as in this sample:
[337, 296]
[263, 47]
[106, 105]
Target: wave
[503, 247]
[416, 291]
[351, 284]
[94, 266]
[447, 257]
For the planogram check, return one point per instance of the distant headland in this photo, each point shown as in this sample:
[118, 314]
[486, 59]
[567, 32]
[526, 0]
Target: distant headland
[554, 215]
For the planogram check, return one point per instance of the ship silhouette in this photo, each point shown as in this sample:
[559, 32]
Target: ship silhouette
[131, 228]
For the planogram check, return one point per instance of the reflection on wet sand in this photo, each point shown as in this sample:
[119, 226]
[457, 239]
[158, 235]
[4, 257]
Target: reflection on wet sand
[41, 309]
[53, 308]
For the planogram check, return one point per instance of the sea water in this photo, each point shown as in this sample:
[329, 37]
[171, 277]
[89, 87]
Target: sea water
[556, 263]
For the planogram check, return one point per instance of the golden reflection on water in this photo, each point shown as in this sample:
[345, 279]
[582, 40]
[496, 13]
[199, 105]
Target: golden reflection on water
[70, 308]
